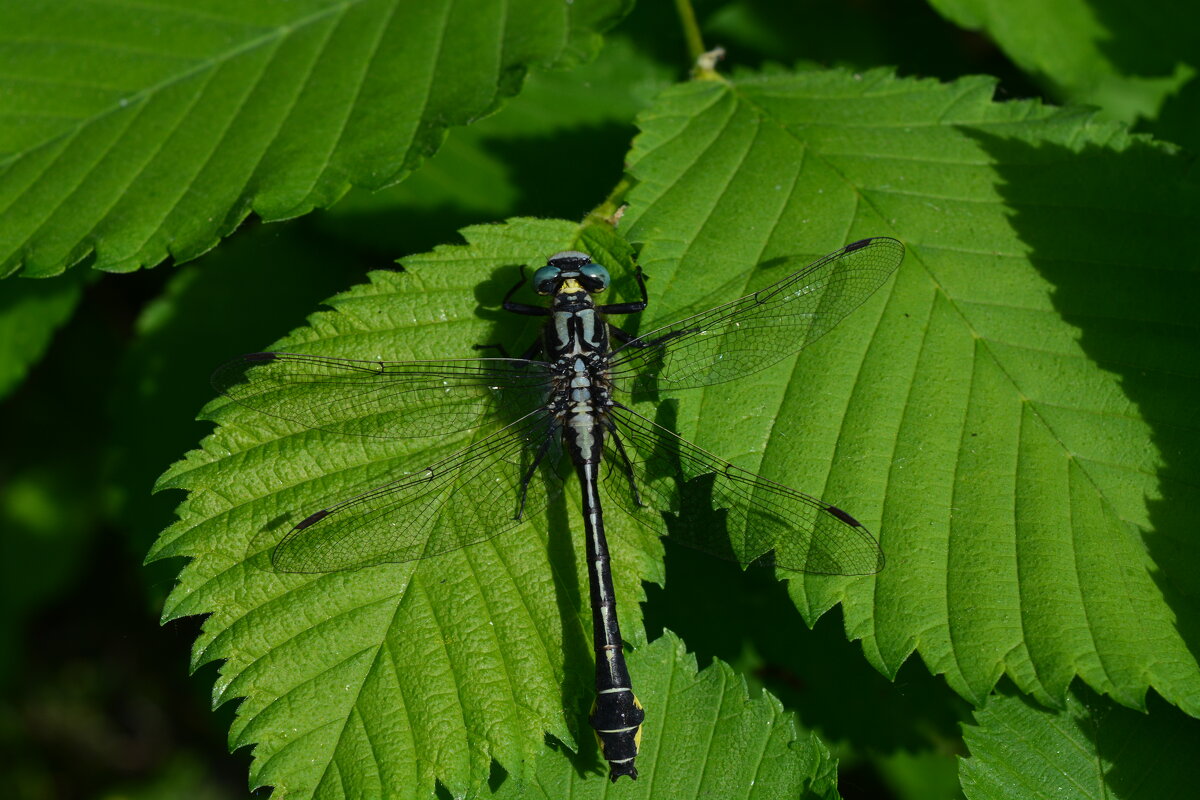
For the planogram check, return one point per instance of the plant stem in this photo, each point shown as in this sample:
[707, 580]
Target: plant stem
[691, 29]
[606, 212]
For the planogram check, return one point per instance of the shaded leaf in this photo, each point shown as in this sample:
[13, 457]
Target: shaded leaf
[1134, 61]
[924, 775]
[52, 448]
[30, 313]
[1092, 748]
[906, 34]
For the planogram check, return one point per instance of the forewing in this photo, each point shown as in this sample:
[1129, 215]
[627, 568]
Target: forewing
[468, 497]
[383, 399]
[727, 511]
[749, 334]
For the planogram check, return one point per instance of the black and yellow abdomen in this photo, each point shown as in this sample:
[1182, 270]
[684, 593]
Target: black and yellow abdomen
[617, 717]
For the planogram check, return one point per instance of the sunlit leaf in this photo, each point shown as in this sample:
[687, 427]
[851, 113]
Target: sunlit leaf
[1012, 414]
[140, 132]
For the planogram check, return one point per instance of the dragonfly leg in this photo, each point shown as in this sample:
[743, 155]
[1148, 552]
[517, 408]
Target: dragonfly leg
[518, 308]
[523, 308]
[626, 464]
[624, 337]
[629, 308]
[543, 448]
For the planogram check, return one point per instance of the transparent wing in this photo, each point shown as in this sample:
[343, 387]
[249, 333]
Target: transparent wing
[746, 335]
[383, 399]
[650, 470]
[468, 497]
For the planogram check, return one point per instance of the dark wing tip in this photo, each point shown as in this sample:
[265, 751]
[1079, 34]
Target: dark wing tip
[862, 569]
[260, 356]
[843, 516]
[862, 243]
[311, 520]
[283, 557]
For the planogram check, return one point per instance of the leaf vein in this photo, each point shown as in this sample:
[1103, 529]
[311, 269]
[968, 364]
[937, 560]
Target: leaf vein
[199, 67]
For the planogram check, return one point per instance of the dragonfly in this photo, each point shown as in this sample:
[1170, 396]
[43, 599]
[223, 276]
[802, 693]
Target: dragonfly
[570, 391]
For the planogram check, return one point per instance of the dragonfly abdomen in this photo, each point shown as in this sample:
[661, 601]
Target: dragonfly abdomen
[617, 718]
[616, 715]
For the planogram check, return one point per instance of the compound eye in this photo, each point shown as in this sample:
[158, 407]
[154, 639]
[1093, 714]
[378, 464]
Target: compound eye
[544, 278]
[596, 277]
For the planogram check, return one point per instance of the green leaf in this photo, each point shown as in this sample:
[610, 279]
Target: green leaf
[137, 134]
[1128, 59]
[1008, 413]
[703, 737]
[1089, 750]
[387, 679]
[514, 162]
[30, 313]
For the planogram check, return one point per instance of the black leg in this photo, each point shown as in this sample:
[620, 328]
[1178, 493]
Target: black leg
[529, 311]
[626, 465]
[624, 337]
[629, 308]
[522, 308]
[518, 308]
[516, 287]
[528, 476]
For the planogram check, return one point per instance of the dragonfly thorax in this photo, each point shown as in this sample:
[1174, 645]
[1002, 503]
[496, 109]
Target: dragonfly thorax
[576, 327]
[576, 342]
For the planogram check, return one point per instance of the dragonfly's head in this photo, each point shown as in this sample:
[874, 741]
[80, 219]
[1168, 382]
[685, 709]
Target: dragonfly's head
[570, 270]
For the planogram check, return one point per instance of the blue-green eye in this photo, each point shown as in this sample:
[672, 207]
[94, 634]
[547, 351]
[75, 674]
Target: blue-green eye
[544, 278]
[597, 277]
